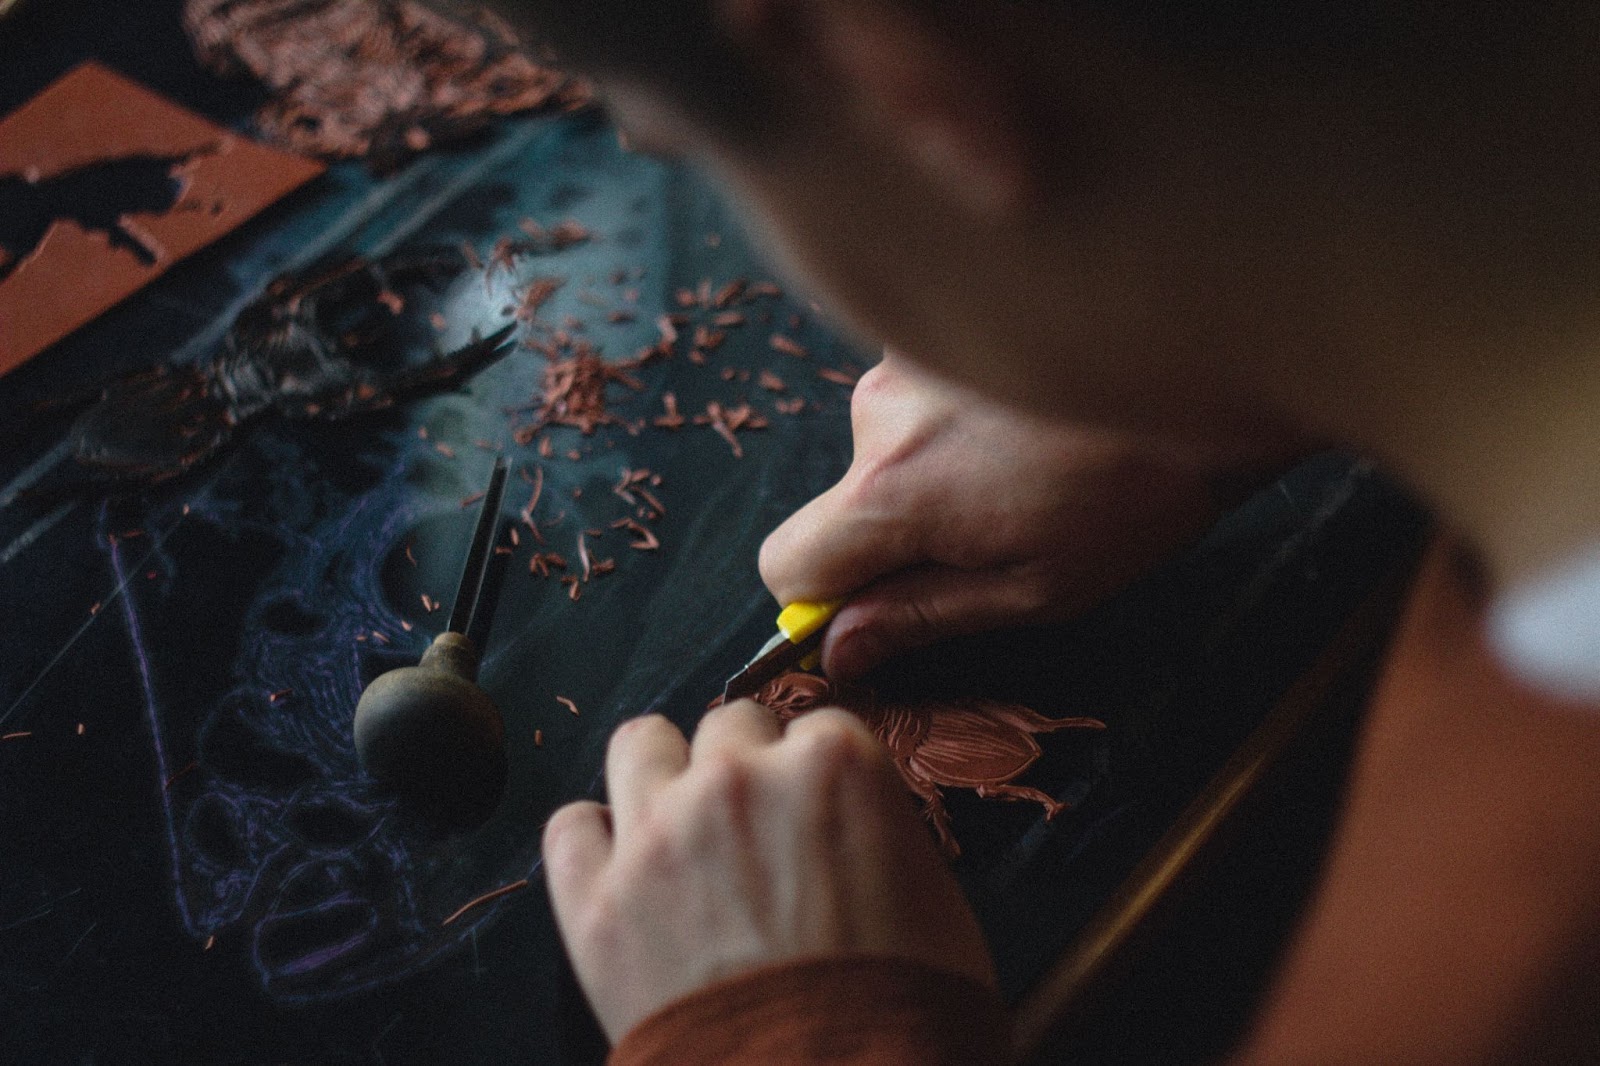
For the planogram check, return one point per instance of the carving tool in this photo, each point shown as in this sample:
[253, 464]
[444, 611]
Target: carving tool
[798, 644]
[428, 733]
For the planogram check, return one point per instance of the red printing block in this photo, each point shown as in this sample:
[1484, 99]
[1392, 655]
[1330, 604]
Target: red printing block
[83, 128]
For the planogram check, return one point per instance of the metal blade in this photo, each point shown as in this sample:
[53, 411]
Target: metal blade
[776, 658]
[478, 555]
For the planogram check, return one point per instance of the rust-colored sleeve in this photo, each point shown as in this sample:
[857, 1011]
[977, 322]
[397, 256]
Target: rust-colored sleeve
[849, 1011]
[1458, 920]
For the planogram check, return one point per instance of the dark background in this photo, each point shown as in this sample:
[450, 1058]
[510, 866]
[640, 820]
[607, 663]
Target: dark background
[194, 808]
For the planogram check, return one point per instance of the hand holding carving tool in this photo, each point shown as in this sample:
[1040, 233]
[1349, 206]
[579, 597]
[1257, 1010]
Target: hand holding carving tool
[428, 733]
[801, 627]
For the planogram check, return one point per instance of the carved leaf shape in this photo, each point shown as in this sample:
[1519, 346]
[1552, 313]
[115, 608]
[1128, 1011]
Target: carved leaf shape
[968, 748]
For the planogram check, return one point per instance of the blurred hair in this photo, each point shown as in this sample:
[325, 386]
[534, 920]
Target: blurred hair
[675, 47]
[669, 46]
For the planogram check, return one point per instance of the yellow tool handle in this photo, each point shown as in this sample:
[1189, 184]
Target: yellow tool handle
[802, 619]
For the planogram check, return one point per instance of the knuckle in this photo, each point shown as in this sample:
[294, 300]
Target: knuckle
[871, 387]
[879, 375]
[721, 717]
[635, 731]
[724, 781]
[556, 830]
[561, 838]
[832, 744]
[644, 724]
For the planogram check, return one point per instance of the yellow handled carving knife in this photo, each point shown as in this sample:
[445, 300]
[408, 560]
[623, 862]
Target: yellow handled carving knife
[798, 644]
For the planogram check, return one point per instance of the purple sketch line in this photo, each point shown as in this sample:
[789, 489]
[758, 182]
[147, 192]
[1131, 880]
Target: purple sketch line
[153, 718]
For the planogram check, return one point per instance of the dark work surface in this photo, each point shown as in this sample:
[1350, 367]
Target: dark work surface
[193, 807]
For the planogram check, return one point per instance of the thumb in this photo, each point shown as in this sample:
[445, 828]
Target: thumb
[922, 606]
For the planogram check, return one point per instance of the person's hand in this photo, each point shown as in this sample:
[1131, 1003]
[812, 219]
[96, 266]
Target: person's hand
[752, 846]
[958, 515]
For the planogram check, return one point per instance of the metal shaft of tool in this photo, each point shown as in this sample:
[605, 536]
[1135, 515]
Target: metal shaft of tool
[777, 658]
[478, 556]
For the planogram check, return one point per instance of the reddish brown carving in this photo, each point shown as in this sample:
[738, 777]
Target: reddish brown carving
[965, 743]
[573, 391]
[105, 185]
[380, 79]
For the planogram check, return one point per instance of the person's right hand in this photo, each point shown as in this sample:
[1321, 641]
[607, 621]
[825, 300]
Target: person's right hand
[959, 515]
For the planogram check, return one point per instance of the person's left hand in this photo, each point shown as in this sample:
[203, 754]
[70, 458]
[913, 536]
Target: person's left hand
[754, 845]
